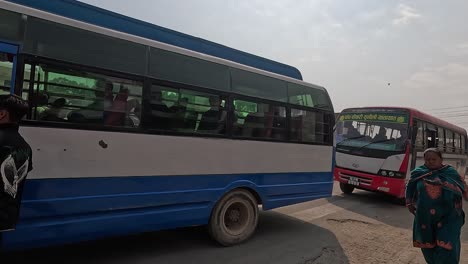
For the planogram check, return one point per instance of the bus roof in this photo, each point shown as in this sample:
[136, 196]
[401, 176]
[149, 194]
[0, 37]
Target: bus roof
[415, 113]
[104, 18]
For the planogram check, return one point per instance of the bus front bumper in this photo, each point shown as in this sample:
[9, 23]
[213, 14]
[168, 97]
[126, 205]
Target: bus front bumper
[371, 182]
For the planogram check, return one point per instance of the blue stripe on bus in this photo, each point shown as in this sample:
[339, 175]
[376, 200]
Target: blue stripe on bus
[8, 48]
[57, 211]
[111, 20]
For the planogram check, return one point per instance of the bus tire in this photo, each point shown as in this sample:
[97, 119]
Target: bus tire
[346, 188]
[234, 218]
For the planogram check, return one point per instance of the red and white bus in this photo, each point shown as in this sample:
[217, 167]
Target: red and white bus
[377, 147]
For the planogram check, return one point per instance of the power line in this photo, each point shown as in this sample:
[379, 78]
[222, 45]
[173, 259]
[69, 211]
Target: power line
[455, 121]
[450, 112]
[445, 108]
[459, 120]
[452, 115]
[459, 115]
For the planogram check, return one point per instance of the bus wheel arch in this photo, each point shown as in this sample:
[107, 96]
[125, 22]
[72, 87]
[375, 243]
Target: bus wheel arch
[234, 217]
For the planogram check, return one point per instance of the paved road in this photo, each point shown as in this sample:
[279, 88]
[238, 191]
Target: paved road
[339, 229]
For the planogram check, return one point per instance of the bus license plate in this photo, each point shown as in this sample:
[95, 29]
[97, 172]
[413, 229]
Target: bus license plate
[353, 181]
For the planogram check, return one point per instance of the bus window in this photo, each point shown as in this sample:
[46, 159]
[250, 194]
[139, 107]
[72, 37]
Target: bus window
[189, 111]
[308, 126]
[374, 135]
[6, 69]
[430, 136]
[242, 110]
[463, 144]
[256, 85]
[307, 96]
[440, 138]
[213, 120]
[419, 138]
[161, 98]
[302, 126]
[457, 142]
[74, 96]
[259, 120]
[449, 141]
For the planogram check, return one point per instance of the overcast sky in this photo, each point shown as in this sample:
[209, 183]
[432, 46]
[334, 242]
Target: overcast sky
[365, 52]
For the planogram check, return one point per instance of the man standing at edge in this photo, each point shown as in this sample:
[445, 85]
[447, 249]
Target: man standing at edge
[15, 160]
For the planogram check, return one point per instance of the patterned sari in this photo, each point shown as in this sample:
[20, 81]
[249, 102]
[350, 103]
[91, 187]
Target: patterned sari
[436, 196]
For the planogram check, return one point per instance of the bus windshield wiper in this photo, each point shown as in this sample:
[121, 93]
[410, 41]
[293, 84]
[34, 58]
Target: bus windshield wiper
[378, 141]
[351, 138]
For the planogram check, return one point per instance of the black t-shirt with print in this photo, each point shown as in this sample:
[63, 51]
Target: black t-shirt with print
[15, 163]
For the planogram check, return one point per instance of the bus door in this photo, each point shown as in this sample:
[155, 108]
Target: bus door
[8, 54]
[418, 141]
[431, 136]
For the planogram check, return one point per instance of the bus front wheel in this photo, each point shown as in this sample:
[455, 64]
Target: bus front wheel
[346, 188]
[234, 218]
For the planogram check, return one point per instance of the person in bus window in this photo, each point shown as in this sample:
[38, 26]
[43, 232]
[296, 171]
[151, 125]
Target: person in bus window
[41, 101]
[213, 120]
[15, 158]
[161, 115]
[402, 139]
[55, 112]
[184, 120]
[97, 111]
[133, 114]
[254, 123]
[382, 135]
[275, 123]
[434, 195]
[108, 96]
[352, 132]
[117, 112]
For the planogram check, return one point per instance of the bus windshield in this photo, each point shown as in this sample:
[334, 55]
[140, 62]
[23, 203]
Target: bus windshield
[379, 131]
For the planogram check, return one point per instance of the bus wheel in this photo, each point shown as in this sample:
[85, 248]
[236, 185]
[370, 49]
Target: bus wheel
[346, 188]
[234, 218]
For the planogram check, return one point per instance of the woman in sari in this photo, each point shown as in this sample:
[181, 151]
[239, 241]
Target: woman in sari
[434, 195]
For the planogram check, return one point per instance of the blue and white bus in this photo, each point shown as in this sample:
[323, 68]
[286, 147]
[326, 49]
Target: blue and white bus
[130, 134]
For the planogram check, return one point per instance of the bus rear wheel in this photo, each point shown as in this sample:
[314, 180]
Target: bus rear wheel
[234, 218]
[346, 188]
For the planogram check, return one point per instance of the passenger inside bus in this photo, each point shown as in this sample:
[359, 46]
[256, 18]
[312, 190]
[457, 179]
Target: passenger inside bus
[95, 112]
[382, 135]
[115, 114]
[161, 115]
[41, 101]
[254, 123]
[268, 121]
[213, 120]
[401, 140]
[55, 112]
[133, 113]
[352, 132]
[184, 120]
[275, 123]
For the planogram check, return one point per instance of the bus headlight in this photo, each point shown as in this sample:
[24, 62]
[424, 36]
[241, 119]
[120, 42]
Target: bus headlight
[393, 174]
